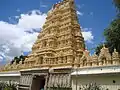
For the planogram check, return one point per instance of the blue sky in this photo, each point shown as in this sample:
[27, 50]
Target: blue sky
[19, 17]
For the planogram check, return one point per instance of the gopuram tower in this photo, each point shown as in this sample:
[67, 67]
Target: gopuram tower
[60, 43]
[59, 53]
[58, 49]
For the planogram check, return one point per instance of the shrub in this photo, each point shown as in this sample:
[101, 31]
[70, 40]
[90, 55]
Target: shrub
[8, 86]
[91, 87]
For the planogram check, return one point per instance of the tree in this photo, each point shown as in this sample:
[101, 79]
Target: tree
[117, 4]
[112, 32]
[17, 60]
[22, 58]
[112, 35]
[12, 61]
[8, 86]
[91, 86]
[98, 48]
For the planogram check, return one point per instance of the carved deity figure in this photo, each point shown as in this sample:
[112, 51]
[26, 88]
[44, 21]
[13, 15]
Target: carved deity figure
[115, 57]
[61, 53]
[83, 61]
[77, 61]
[86, 53]
[37, 60]
[45, 58]
[104, 57]
[115, 54]
[94, 57]
[20, 65]
[14, 65]
[94, 60]
[7, 66]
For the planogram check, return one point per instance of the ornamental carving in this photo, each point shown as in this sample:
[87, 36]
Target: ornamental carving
[104, 58]
[61, 43]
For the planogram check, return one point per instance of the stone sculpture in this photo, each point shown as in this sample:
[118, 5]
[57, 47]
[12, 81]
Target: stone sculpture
[60, 43]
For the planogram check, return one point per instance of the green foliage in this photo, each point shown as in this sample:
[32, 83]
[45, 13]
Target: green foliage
[12, 61]
[18, 59]
[112, 35]
[22, 58]
[112, 32]
[58, 87]
[11, 86]
[98, 48]
[117, 4]
[91, 87]
[8, 86]
[2, 85]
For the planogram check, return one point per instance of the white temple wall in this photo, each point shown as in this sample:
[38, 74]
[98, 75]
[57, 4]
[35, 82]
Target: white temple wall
[8, 78]
[112, 82]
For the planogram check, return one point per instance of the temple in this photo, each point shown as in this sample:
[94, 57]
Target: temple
[59, 54]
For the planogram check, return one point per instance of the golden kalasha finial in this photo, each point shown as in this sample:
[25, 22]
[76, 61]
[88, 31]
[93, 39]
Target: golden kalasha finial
[103, 45]
[115, 50]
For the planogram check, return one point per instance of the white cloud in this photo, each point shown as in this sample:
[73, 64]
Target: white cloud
[91, 13]
[86, 29]
[87, 34]
[13, 37]
[44, 6]
[88, 37]
[1, 58]
[18, 10]
[80, 6]
[79, 13]
[17, 17]
[35, 19]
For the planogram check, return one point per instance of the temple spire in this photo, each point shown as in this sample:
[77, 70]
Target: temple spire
[61, 38]
[60, 42]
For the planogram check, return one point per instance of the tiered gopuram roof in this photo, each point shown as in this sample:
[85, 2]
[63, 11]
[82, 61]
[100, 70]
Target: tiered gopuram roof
[60, 43]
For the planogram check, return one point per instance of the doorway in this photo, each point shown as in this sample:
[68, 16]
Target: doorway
[38, 83]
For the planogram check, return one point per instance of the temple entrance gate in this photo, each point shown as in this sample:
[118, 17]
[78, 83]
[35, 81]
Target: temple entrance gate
[38, 83]
[44, 79]
[34, 79]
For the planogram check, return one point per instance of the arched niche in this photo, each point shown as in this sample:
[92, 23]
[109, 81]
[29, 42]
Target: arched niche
[44, 43]
[41, 60]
